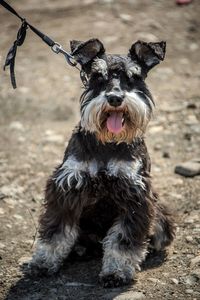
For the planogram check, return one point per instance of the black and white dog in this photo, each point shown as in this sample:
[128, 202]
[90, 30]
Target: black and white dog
[103, 186]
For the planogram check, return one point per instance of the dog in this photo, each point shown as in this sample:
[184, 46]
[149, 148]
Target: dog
[103, 187]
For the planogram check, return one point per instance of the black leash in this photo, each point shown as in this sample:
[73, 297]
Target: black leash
[21, 35]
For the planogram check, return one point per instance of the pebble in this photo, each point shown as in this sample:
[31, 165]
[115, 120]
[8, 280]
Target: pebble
[130, 296]
[189, 239]
[191, 120]
[2, 245]
[188, 169]
[16, 126]
[195, 261]
[190, 280]
[166, 154]
[189, 291]
[155, 129]
[1, 211]
[54, 139]
[175, 281]
[126, 18]
[195, 128]
[24, 260]
[18, 217]
[196, 273]
[155, 280]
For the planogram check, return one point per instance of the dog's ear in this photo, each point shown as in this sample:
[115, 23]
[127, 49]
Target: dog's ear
[85, 52]
[148, 54]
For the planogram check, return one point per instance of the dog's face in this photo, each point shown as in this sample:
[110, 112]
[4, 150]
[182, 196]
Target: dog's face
[116, 105]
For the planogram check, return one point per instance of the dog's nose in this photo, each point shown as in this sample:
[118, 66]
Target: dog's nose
[115, 100]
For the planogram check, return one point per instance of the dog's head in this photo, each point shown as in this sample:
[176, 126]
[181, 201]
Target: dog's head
[116, 104]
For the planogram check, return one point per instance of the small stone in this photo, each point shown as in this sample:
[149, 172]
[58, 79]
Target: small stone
[1, 211]
[191, 120]
[188, 136]
[175, 281]
[191, 106]
[194, 46]
[195, 261]
[155, 280]
[18, 217]
[190, 280]
[16, 126]
[195, 128]
[188, 169]
[126, 18]
[189, 239]
[2, 245]
[24, 260]
[157, 147]
[55, 139]
[189, 291]
[196, 273]
[166, 154]
[155, 129]
[130, 296]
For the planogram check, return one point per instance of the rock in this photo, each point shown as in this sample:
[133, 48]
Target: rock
[189, 168]
[126, 18]
[187, 136]
[130, 296]
[196, 273]
[191, 120]
[157, 147]
[191, 106]
[24, 260]
[2, 245]
[195, 261]
[189, 239]
[171, 108]
[175, 281]
[155, 280]
[189, 291]
[190, 280]
[52, 137]
[194, 46]
[166, 154]
[155, 129]
[18, 217]
[195, 128]
[1, 211]
[16, 126]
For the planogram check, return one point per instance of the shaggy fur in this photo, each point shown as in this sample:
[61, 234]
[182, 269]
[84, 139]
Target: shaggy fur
[103, 186]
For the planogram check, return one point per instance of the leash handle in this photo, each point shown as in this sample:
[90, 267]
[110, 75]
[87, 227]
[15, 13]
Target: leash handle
[21, 35]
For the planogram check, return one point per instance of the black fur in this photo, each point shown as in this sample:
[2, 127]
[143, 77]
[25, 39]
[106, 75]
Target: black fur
[96, 203]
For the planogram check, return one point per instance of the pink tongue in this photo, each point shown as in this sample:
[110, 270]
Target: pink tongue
[114, 122]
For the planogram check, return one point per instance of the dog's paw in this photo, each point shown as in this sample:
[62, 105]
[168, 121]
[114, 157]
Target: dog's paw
[41, 268]
[116, 279]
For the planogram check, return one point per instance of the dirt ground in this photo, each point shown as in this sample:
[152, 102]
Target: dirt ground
[36, 121]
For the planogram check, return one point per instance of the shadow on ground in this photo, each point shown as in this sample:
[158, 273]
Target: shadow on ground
[76, 280]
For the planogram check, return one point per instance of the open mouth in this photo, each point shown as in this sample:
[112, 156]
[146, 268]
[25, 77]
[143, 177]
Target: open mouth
[115, 121]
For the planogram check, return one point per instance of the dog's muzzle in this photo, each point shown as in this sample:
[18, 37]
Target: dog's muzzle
[115, 99]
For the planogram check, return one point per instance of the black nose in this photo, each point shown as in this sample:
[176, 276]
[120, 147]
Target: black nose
[114, 100]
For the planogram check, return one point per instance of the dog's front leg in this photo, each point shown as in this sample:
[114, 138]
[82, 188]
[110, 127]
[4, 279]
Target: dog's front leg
[121, 257]
[58, 230]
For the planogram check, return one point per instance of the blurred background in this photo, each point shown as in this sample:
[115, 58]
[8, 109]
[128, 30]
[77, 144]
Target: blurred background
[37, 118]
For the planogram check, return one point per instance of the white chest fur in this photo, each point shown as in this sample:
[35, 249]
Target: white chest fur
[74, 170]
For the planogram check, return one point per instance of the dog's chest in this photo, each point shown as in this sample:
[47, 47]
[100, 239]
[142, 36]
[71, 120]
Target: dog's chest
[73, 172]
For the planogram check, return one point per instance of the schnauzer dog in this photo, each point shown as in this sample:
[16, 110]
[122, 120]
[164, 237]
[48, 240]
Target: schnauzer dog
[103, 188]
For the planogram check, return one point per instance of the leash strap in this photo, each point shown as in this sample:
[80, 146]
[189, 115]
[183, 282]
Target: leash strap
[21, 35]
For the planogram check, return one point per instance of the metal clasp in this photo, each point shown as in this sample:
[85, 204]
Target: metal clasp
[57, 48]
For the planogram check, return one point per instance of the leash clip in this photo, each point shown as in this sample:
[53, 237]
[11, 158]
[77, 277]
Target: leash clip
[57, 48]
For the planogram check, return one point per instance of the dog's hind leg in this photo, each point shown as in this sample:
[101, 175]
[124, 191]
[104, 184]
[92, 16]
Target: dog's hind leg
[56, 235]
[163, 229]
